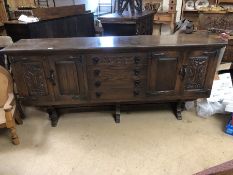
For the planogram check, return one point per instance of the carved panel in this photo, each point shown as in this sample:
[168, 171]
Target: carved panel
[220, 21]
[35, 79]
[196, 70]
[117, 59]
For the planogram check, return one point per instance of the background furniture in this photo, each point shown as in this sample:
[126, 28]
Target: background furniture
[168, 18]
[127, 24]
[4, 42]
[3, 13]
[114, 70]
[74, 22]
[192, 15]
[8, 110]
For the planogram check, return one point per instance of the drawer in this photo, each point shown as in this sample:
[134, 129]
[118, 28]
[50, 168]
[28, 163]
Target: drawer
[121, 59]
[117, 93]
[108, 76]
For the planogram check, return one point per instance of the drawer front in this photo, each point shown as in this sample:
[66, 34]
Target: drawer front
[120, 59]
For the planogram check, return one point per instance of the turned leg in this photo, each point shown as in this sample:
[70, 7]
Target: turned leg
[53, 116]
[118, 114]
[14, 136]
[178, 110]
[10, 123]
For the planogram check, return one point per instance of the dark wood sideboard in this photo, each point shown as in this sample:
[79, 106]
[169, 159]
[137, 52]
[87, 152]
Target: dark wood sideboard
[127, 24]
[64, 72]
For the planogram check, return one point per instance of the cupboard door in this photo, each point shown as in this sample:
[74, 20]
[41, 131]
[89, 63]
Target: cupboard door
[163, 71]
[197, 71]
[30, 74]
[68, 77]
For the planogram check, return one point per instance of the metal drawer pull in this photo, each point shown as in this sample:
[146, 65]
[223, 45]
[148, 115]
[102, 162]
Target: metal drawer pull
[51, 77]
[157, 54]
[76, 97]
[183, 72]
[209, 52]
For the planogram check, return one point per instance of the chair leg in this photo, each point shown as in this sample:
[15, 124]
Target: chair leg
[10, 123]
[14, 136]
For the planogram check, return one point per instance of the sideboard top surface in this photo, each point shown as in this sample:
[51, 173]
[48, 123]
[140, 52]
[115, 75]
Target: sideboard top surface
[87, 44]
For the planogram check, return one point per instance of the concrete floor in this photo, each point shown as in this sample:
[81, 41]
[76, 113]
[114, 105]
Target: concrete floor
[90, 143]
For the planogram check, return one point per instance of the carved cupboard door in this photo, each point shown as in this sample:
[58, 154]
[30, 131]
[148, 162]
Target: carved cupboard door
[68, 77]
[30, 74]
[196, 78]
[163, 69]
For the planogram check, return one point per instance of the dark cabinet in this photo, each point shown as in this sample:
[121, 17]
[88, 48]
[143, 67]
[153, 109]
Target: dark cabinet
[31, 76]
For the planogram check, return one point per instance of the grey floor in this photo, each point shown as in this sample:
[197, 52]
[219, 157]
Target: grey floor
[90, 143]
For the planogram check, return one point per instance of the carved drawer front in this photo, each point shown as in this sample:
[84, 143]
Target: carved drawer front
[30, 74]
[68, 77]
[163, 71]
[120, 59]
[197, 71]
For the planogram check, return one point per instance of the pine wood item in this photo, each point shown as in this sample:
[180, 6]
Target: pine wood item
[8, 109]
[118, 70]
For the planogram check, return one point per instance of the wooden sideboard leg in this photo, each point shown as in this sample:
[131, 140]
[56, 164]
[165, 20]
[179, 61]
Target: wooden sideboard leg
[118, 114]
[53, 116]
[178, 110]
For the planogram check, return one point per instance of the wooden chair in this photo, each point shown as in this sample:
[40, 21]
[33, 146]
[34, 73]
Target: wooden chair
[8, 110]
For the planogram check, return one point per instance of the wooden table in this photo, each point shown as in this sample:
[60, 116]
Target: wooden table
[127, 24]
[120, 70]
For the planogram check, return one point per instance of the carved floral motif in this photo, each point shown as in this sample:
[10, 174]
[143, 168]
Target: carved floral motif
[196, 72]
[35, 79]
